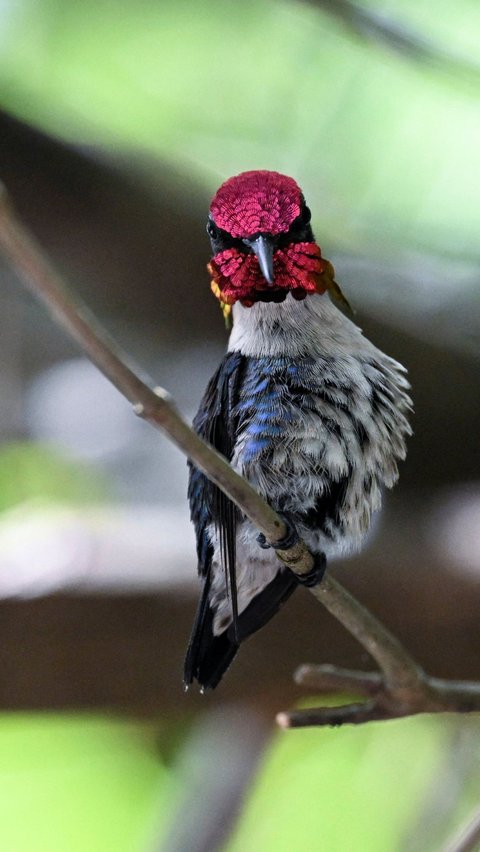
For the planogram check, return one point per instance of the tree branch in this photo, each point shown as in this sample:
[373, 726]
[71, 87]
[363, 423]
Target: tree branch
[402, 688]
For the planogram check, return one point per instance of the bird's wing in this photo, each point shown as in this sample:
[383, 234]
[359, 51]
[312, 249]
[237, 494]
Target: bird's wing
[215, 422]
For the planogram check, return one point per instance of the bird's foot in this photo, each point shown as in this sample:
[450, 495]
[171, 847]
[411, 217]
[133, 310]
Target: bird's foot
[289, 539]
[315, 575]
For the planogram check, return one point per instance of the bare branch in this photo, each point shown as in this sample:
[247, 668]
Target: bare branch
[402, 688]
[425, 695]
[327, 679]
[353, 714]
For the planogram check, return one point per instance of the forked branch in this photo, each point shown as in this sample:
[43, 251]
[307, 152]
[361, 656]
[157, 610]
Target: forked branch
[401, 688]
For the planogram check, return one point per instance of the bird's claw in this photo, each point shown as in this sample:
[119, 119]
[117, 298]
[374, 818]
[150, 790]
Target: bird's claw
[289, 539]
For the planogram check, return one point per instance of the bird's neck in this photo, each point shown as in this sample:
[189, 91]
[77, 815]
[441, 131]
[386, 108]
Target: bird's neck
[312, 327]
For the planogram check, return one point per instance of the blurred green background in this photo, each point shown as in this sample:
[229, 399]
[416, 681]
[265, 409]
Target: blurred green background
[117, 123]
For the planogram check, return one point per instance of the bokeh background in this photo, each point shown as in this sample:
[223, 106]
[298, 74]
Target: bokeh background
[118, 121]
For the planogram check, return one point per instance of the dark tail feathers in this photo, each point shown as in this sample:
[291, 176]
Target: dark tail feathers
[209, 656]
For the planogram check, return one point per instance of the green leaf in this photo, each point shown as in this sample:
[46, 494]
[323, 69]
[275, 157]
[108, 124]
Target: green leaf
[31, 471]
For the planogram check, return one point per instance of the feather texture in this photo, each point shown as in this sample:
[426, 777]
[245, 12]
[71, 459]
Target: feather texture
[315, 417]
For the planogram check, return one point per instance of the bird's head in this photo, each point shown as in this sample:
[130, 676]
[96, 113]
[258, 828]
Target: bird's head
[262, 242]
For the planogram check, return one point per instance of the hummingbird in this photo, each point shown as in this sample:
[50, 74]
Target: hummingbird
[302, 405]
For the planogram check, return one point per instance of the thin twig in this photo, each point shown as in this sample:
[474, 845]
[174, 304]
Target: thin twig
[327, 679]
[403, 688]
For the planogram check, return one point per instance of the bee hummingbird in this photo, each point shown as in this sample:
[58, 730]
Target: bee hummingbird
[310, 412]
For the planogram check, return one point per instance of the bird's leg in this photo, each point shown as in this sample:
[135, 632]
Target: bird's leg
[315, 575]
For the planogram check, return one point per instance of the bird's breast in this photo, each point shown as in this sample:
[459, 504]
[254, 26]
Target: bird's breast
[319, 436]
[295, 427]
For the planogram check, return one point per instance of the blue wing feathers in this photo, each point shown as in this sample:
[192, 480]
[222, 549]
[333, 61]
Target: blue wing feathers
[257, 398]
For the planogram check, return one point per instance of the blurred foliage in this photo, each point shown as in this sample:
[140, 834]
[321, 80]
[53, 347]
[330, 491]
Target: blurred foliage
[359, 789]
[386, 144]
[97, 783]
[77, 783]
[32, 471]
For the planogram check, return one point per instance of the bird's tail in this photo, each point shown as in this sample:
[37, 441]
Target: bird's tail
[209, 655]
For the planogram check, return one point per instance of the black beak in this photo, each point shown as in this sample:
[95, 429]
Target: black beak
[263, 247]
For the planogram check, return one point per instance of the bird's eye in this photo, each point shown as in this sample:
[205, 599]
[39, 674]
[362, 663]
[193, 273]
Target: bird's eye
[305, 215]
[212, 229]
[300, 229]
